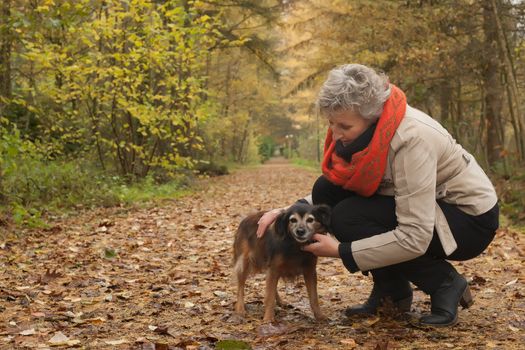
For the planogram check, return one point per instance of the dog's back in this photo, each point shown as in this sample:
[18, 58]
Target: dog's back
[280, 251]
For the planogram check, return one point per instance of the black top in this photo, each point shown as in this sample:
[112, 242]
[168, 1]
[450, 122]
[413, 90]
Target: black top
[359, 144]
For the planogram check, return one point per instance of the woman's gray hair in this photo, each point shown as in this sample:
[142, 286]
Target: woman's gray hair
[354, 87]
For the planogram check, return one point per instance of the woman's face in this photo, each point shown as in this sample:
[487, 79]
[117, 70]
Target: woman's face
[347, 125]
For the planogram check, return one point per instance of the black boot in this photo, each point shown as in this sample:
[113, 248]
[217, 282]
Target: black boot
[388, 284]
[444, 310]
[369, 306]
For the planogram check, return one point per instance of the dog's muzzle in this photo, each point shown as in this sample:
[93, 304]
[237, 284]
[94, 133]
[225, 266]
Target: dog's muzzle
[302, 235]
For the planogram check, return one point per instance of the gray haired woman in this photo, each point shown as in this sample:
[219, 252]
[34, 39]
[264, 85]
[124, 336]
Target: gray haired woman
[405, 196]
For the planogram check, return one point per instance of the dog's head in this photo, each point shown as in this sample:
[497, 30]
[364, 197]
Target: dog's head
[301, 221]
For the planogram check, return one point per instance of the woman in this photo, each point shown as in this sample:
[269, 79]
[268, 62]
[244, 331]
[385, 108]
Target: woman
[405, 196]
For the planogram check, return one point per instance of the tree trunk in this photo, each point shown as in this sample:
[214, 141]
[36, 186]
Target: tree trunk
[243, 143]
[444, 101]
[6, 41]
[492, 85]
[513, 91]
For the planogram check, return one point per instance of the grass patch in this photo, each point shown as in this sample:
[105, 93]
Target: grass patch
[39, 188]
[148, 190]
[306, 163]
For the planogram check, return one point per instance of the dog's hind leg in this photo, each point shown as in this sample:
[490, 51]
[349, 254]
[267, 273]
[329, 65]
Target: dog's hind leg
[272, 278]
[278, 299]
[310, 280]
[241, 271]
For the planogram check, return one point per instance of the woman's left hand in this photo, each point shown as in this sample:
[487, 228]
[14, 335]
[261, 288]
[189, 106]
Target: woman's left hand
[324, 246]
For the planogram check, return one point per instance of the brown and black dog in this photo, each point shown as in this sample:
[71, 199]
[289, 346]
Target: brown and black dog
[278, 252]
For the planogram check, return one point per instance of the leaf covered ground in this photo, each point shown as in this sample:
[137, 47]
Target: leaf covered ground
[159, 277]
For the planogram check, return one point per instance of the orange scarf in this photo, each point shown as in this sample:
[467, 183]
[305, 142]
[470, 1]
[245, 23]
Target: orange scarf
[364, 173]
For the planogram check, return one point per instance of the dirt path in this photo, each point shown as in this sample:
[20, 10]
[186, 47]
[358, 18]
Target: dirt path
[159, 278]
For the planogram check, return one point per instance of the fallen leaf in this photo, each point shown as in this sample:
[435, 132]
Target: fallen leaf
[382, 345]
[116, 342]
[124, 295]
[478, 280]
[109, 253]
[349, 343]
[161, 330]
[274, 328]
[232, 345]
[49, 276]
[29, 331]
[96, 320]
[23, 287]
[102, 229]
[59, 339]
[371, 321]
[220, 294]
[510, 283]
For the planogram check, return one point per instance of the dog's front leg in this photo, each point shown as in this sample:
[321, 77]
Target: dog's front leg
[241, 272]
[310, 280]
[272, 278]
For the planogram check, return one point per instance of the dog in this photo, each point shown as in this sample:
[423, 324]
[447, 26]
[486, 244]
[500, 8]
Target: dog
[279, 253]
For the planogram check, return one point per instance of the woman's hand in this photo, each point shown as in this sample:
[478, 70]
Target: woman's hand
[266, 220]
[325, 246]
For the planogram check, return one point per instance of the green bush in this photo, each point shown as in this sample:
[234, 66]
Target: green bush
[31, 185]
[266, 148]
[58, 186]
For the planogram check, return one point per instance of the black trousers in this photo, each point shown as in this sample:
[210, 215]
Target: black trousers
[355, 217]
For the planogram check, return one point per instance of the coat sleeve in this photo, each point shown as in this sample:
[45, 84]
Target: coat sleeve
[414, 176]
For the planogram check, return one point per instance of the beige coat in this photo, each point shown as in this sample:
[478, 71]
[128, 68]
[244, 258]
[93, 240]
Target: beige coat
[424, 164]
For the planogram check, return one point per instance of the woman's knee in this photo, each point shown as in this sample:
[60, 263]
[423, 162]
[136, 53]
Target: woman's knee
[346, 218]
[325, 192]
[359, 217]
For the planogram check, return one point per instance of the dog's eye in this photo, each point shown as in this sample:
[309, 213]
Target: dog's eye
[293, 220]
[310, 220]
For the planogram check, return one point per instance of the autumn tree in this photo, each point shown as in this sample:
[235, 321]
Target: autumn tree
[6, 38]
[242, 78]
[449, 56]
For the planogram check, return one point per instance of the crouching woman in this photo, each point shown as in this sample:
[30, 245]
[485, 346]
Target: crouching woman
[405, 196]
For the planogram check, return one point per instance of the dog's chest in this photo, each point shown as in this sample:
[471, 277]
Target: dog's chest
[292, 263]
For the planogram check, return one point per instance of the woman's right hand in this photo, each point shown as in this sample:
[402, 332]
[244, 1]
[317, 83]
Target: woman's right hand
[266, 220]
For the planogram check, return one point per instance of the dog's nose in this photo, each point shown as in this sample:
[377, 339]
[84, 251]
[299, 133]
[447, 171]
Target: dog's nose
[300, 231]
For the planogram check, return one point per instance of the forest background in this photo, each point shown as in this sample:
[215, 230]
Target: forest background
[105, 102]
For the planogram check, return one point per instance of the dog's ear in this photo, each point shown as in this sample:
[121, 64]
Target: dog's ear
[281, 223]
[323, 214]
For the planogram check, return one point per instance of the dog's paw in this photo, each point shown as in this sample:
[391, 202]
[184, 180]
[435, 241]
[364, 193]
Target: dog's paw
[269, 318]
[240, 309]
[320, 317]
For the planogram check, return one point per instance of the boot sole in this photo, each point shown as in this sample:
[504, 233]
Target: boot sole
[438, 325]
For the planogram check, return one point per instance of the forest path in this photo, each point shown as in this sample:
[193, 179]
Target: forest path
[159, 277]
